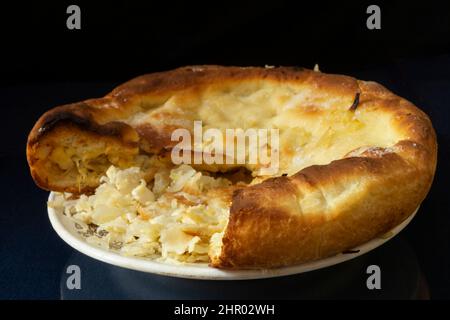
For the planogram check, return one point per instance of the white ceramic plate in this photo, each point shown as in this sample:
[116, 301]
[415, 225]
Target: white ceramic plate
[65, 227]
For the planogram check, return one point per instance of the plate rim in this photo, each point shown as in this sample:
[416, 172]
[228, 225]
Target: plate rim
[203, 271]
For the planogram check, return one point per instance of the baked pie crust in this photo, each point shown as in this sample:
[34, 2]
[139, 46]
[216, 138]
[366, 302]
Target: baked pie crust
[355, 159]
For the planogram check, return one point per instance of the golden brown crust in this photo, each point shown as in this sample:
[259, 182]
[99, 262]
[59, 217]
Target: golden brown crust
[321, 210]
[74, 122]
[288, 234]
[101, 117]
[359, 198]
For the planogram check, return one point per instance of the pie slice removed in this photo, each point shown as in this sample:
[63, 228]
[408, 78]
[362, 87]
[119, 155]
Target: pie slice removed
[355, 160]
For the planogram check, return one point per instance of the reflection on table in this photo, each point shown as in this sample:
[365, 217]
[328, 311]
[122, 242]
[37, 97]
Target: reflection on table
[400, 279]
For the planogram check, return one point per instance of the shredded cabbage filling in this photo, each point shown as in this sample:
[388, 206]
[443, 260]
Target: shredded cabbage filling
[171, 220]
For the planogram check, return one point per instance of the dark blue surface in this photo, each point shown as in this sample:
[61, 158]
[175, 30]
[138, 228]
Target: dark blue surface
[32, 256]
[400, 279]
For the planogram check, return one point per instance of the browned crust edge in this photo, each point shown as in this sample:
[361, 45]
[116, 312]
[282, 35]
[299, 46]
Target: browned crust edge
[393, 183]
[78, 116]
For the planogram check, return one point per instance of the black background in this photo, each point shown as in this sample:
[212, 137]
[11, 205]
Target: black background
[43, 64]
[122, 39]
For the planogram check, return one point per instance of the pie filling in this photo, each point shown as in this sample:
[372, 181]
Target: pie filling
[174, 218]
